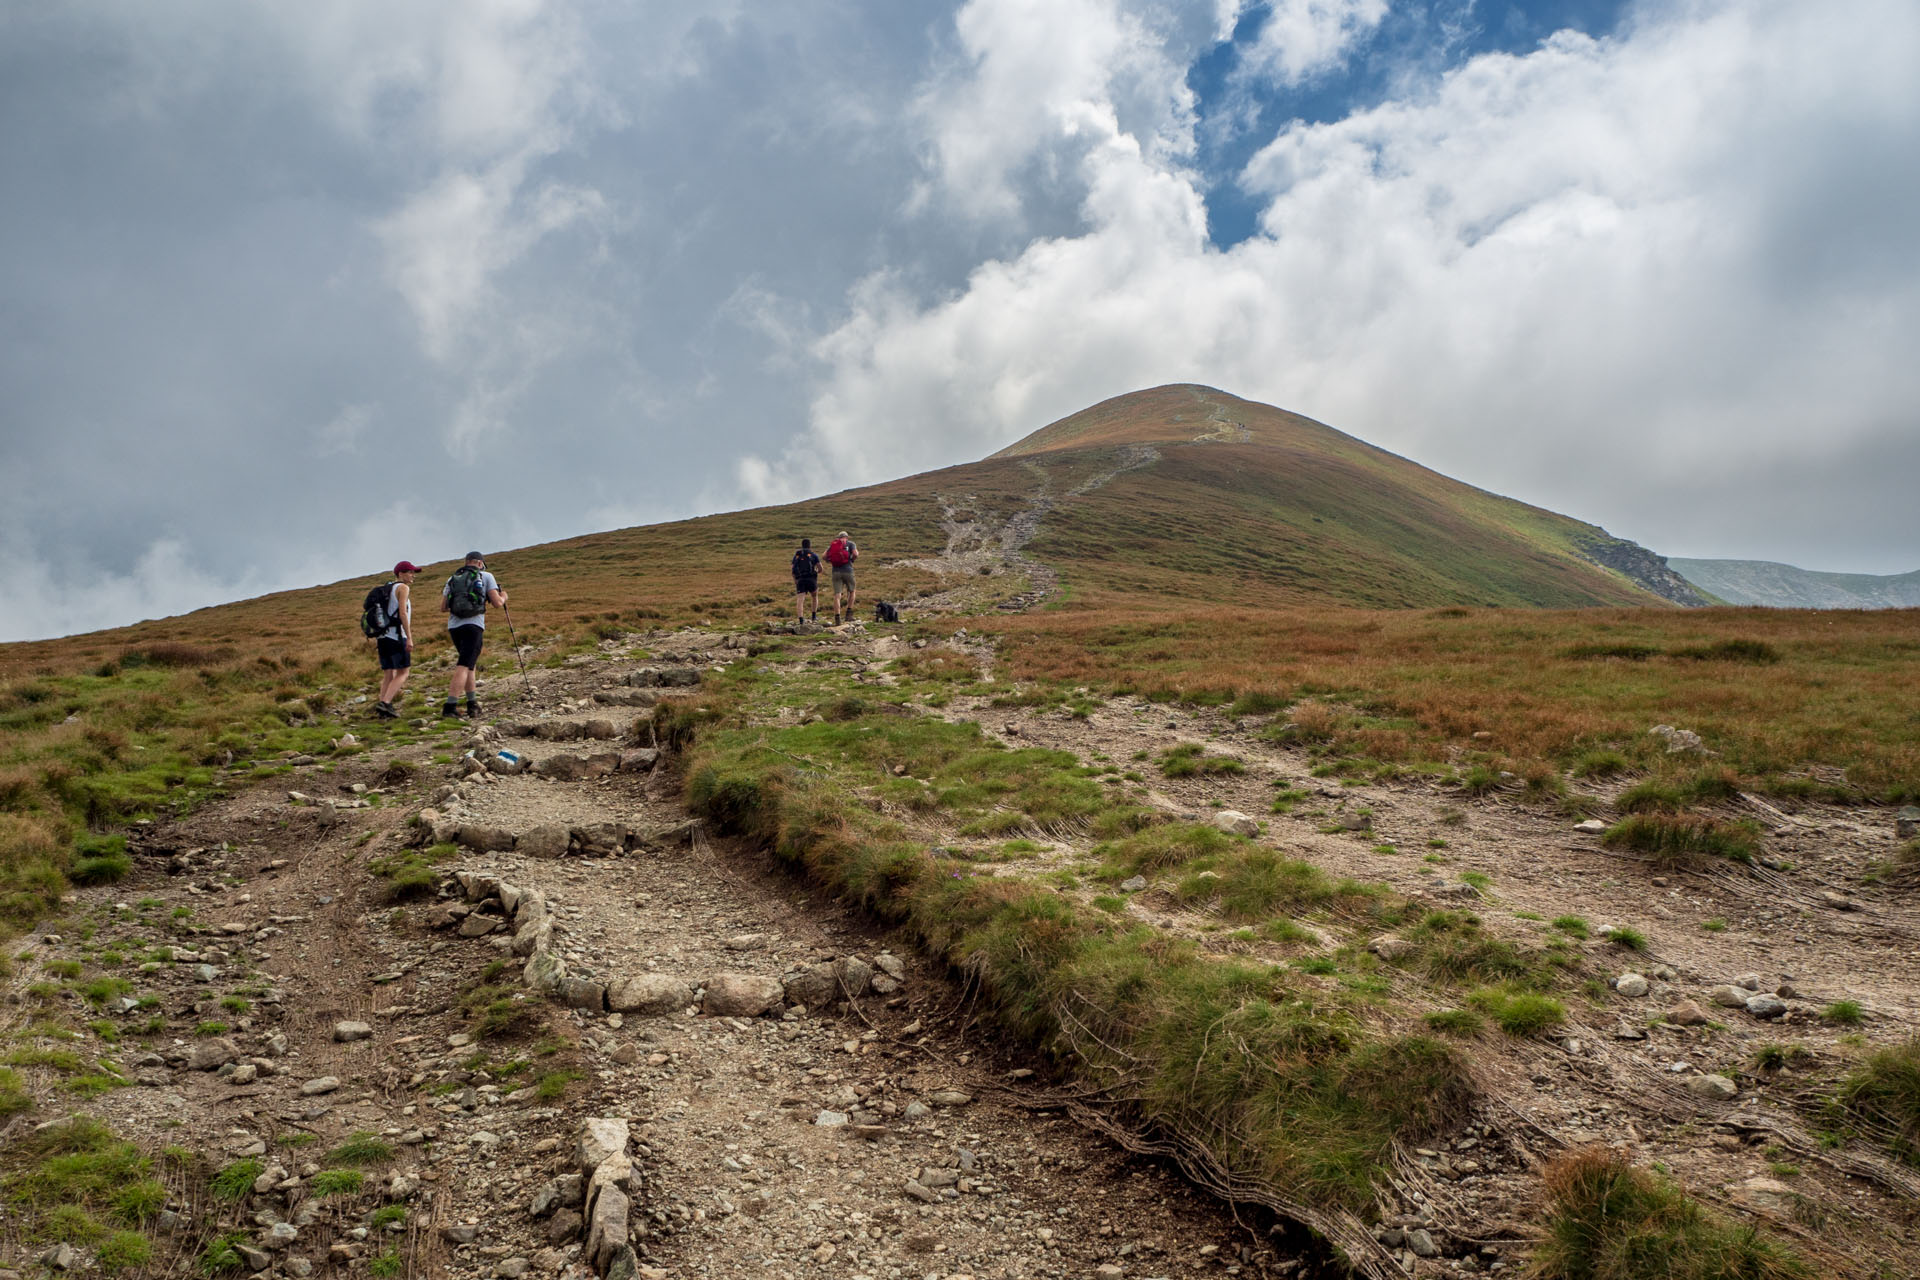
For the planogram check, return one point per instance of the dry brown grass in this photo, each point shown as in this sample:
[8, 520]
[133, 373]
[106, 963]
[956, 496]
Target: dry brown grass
[1839, 694]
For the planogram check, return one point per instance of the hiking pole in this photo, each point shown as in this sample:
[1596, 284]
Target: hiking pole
[511, 635]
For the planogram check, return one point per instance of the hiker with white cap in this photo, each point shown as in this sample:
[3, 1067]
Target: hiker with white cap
[464, 600]
[841, 553]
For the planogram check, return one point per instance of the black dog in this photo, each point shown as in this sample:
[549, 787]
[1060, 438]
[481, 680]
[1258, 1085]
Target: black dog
[884, 612]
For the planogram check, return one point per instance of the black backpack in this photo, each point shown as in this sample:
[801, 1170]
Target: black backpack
[805, 565]
[466, 597]
[375, 618]
[884, 612]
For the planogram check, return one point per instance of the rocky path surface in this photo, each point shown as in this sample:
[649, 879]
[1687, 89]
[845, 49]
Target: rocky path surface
[796, 1097]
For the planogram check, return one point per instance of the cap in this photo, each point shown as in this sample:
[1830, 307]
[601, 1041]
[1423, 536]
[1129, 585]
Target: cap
[843, 533]
[475, 555]
[406, 566]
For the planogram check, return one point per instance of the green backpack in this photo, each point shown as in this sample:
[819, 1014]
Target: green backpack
[466, 596]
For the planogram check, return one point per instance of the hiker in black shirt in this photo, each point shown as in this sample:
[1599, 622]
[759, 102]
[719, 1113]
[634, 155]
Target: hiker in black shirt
[806, 582]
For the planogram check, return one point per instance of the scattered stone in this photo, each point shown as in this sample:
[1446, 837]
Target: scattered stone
[1767, 1007]
[1421, 1242]
[1679, 741]
[322, 1084]
[814, 986]
[256, 1258]
[1751, 981]
[581, 993]
[212, 1053]
[1687, 1014]
[1591, 826]
[741, 995]
[281, 1235]
[245, 1073]
[62, 1257]
[458, 1233]
[543, 842]
[346, 1032]
[949, 1098]
[1133, 884]
[601, 1138]
[1630, 984]
[1714, 1088]
[1838, 901]
[1906, 823]
[1768, 1195]
[648, 993]
[831, 1119]
[563, 1226]
[1236, 823]
[1729, 996]
[485, 840]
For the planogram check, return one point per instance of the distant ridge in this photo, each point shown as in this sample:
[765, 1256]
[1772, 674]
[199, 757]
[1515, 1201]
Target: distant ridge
[1781, 586]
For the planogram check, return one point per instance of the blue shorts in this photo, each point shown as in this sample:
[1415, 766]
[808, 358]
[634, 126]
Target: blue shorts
[805, 586]
[394, 655]
[466, 646]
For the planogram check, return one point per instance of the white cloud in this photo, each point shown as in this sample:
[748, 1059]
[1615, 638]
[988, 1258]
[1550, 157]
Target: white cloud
[1045, 81]
[1569, 274]
[1301, 38]
[56, 596]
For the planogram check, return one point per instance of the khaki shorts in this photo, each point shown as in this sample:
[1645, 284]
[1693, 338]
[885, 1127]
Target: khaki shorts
[843, 577]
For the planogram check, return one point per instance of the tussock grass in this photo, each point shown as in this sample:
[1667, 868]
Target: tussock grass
[1674, 839]
[1190, 760]
[1163, 847]
[1881, 1099]
[75, 1181]
[1607, 1220]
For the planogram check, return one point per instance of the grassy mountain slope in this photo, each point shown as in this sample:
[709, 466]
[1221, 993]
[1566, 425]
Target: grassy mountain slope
[1782, 586]
[1252, 504]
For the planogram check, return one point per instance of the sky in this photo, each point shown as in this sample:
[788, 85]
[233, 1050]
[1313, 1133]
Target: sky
[290, 292]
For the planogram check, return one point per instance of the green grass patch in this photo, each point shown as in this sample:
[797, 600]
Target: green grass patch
[1455, 1022]
[1190, 760]
[359, 1150]
[1607, 1220]
[1880, 1100]
[235, 1181]
[1845, 1012]
[337, 1182]
[1677, 838]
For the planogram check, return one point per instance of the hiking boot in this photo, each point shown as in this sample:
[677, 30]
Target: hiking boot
[473, 708]
[451, 711]
[385, 711]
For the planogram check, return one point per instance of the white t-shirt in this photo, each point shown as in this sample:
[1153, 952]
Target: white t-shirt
[487, 587]
[402, 625]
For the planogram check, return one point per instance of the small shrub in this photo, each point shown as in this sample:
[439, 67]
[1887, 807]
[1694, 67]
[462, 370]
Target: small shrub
[1572, 926]
[1628, 937]
[388, 1265]
[99, 860]
[390, 1215]
[220, 1255]
[1778, 1057]
[1190, 760]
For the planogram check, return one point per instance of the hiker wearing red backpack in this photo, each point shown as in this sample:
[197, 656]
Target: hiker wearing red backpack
[841, 553]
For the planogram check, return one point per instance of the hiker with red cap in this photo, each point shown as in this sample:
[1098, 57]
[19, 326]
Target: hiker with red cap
[388, 619]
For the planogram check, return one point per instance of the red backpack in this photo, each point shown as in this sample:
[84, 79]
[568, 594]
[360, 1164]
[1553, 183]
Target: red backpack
[840, 553]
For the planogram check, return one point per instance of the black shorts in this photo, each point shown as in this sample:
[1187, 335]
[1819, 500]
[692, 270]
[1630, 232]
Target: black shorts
[466, 645]
[802, 586]
[394, 655]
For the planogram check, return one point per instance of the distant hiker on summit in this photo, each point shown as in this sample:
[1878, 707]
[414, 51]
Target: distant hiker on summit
[841, 553]
[386, 617]
[464, 600]
[806, 582]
